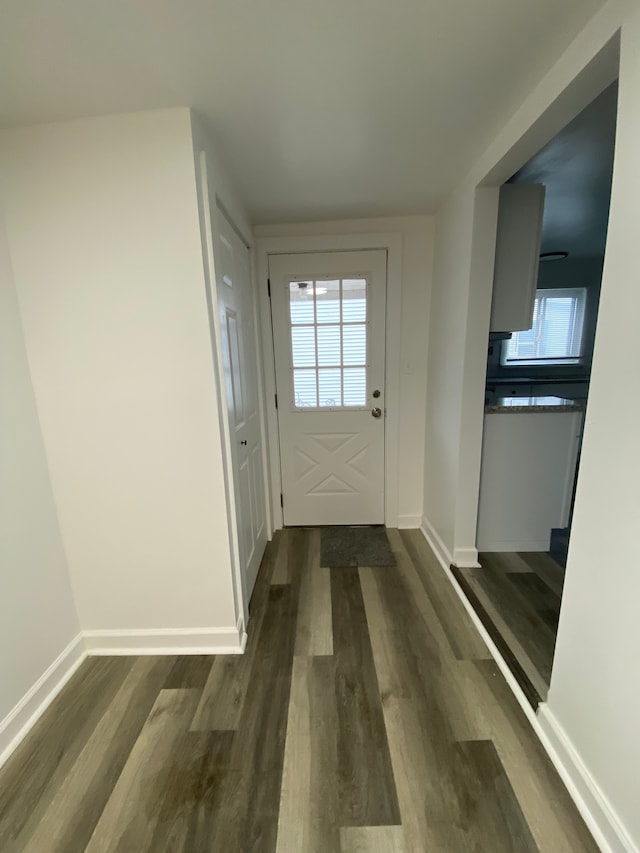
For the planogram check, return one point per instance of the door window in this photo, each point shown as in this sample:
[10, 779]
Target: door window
[328, 321]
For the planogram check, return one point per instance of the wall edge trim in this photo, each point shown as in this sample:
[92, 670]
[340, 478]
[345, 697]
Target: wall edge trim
[166, 641]
[437, 545]
[516, 545]
[466, 558]
[28, 710]
[593, 805]
[409, 522]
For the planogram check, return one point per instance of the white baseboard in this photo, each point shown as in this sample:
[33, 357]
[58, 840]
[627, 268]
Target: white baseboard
[168, 641]
[590, 802]
[594, 807]
[520, 545]
[36, 700]
[466, 558]
[242, 634]
[172, 641]
[437, 545]
[445, 563]
[409, 522]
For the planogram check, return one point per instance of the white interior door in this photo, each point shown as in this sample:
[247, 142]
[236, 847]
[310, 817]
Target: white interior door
[237, 326]
[328, 313]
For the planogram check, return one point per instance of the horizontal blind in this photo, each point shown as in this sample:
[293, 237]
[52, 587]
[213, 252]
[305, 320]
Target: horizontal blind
[556, 334]
[328, 322]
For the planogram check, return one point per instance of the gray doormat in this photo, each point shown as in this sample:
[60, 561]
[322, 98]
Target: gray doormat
[355, 546]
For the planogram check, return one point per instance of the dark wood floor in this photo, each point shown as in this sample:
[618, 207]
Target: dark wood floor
[365, 715]
[517, 596]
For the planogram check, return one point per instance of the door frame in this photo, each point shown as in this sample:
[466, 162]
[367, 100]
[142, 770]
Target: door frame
[291, 245]
[210, 206]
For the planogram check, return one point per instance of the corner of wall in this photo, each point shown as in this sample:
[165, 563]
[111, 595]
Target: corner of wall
[433, 538]
[592, 804]
[23, 716]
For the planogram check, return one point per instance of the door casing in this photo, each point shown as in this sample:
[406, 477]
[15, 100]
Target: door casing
[392, 242]
[209, 208]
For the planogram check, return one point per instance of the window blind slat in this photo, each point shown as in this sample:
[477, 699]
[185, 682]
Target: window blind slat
[329, 342]
[556, 334]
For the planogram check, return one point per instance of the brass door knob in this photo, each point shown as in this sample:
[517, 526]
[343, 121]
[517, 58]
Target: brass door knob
[376, 413]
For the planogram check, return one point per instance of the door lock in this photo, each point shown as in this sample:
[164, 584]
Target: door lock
[376, 394]
[376, 413]
[244, 442]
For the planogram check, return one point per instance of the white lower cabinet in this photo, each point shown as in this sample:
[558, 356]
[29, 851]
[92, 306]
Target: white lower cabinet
[526, 483]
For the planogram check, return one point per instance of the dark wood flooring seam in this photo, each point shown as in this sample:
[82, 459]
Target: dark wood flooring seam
[533, 697]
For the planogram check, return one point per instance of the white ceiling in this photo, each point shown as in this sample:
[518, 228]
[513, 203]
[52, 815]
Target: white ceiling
[325, 109]
[576, 167]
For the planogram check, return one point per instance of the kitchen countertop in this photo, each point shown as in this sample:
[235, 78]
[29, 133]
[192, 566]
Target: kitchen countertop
[533, 404]
[538, 380]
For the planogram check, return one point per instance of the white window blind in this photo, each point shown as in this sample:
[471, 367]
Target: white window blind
[328, 320]
[556, 334]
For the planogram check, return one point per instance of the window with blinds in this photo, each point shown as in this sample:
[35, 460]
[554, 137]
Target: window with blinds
[328, 321]
[556, 334]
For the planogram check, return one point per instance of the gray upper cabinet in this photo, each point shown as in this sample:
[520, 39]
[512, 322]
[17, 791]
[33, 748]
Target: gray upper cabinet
[517, 256]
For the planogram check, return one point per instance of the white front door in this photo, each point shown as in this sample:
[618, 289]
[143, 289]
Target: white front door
[328, 314]
[237, 326]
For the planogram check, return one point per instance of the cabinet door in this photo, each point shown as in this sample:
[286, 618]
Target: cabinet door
[517, 256]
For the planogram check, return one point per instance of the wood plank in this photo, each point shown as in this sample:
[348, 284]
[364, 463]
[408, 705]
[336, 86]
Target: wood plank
[189, 802]
[516, 658]
[314, 635]
[439, 804]
[274, 549]
[279, 574]
[550, 811]
[367, 793]
[514, 620]
[224, 692]
[189, 671]
[546, 568]
[541, 599]
[248, 818]
[437, 640]
[294, 820]
[81, 797]
[308, 799]
[492, 818]
[504, 562]
[372, 839]
[133, 809]
[290, 557]
[32, 776]
[487, 709]
[419, 734]
[464, 640]
[223, 695]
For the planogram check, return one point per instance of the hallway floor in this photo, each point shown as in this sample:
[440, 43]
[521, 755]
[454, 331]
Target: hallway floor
[517, 596]
[365, 715]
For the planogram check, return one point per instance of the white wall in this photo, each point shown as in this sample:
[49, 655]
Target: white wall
[594, 701]
[37, 612]
[102, 221]
[595, 685]
[448, 320]
[417, 248]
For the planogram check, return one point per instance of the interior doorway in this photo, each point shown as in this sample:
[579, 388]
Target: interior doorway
[536, 394]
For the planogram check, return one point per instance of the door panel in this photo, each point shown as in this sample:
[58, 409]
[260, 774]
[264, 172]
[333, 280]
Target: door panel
[237, 323]
[328, 314]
